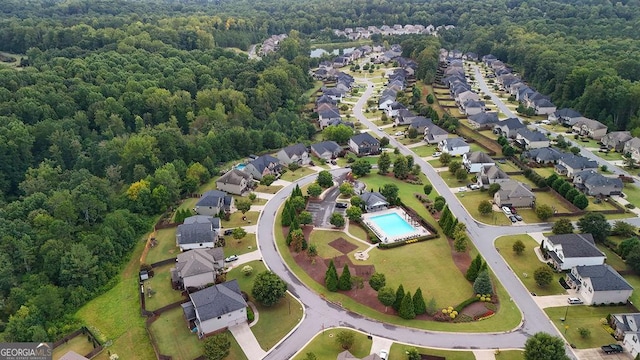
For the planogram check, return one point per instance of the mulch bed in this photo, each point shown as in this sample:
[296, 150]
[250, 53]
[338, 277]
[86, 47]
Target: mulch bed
[342, 245]
[431, 357]
[475, 309]
[462, 260]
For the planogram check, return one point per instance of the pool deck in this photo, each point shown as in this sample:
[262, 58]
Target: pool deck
[419, 230]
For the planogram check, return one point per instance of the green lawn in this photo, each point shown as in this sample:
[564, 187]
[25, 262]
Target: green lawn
[523, 179]
[508, 166]
[436, 163]
[115, 315]
[236, 219]
[584, 142]
[617, 263]
[295, 175]
[161, 284]
[405, 192]
[546, 197]
[238, 247]
[166, 248]
[407, 141]
[471, 199]
[609, 155]
[544, 171]
[324, 345]
[398, 351]
[510, 355]
[476, 147]
[357, 231]
[451, 181]
[423, 151]
[275, 321]
[587, 317]
[632, 194]
[173, 337]
[272, 189]
[603, 205]
[79, 344]
[188, 203]
[524, 265]
[322, 238]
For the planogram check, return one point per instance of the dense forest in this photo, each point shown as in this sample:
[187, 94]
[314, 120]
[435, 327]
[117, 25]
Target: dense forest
[122, 106]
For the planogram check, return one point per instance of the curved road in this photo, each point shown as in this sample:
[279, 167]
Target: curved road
[320, 314]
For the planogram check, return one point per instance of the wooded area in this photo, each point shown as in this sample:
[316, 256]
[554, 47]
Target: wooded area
[122, 106]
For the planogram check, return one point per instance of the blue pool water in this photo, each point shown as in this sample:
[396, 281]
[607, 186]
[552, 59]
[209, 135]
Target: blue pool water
[392, 224]
[241, 166]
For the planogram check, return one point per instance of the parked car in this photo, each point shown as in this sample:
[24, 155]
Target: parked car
[384, 355]
[502, 161]
[342, 205]
[333, 162]
[545, 122]
[436, 154]
[399, 133]
[474, 186]
[506, 210]
[228, 232]
[574, 300]
[462, 189]
[231, 258]
[513, 218]
[612, 348]
[518, 217]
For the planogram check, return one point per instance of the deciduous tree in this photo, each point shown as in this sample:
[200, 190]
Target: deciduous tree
[543, 276]
[268, 288]
[562, 226]
[595, 224]
[518, 247]
[542, 346]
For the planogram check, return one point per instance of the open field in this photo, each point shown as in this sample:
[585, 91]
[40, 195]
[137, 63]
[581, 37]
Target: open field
[524, 265]
[324, 345]
[588, 317]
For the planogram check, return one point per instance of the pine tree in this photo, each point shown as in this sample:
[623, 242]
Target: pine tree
[406, 307]
[331, 277]
[482, 285]
[344, 283]
[295, 224]
[399, 296]
[419, 306]
[474, 268]
[286, 214]
[296, 191]
[444, 216]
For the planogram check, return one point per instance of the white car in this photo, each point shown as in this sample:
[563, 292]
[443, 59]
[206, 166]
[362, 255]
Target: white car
[231, 258]
[384, 355]
[436, 154]
[474, 186]
[506, 210]
[399, 133]
[462, 189]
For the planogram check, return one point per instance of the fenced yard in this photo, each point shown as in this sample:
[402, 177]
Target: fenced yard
[161, 290]
[165, 247]
[79, 344]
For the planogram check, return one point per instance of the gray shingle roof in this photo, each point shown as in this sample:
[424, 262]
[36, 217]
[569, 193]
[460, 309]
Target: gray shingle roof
[195, 233]
[544, 154]
[373, 198]
[234, 176]
[590, 123]
[567, 113]
[576, 245]
[212, 198]
[454, 143]
[198, 261]
[532, 135]
[263, 162]
[218, 300]
[476, 157]
[593, 179]
[484, 118]
[512, 189]
[511, 123]
[474, 104]
[627, 322]
[189, 311]
[603, 278]
[364, 138]
[420, 121]
[296, 149]
[578, 162]
[324, 146]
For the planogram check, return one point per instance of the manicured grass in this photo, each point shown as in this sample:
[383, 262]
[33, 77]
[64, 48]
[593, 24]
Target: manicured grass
[508, 166]
[357, 231]
[115, 315]
[320, 162]
[398, 351]
[617, 263]
[436, 163]
[405, 191]
[546, 197]
[246, 245]
[295, 175]
[79, 344]
[324, 345]
[258, 201]
[510, 355]
[589, 143]
[507, 318]
[371, 159]
[407, 141]
[423, 151]
[586, 317]
[322, 238]
[471, 199]
[173, 337]
[275, 321]
[524, 265]
[523, 179]
[490, 134]
[545, 172]
[476, 147]
[603, 205]
[609, 155]
[235, 219]
[451, 181]
[166, 248]
[373, 114]
[161, 284]
[272, 189]
[632, 194]
[188, 203]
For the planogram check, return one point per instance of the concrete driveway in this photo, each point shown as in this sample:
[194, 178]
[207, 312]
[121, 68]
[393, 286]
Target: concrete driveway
[552, 301]
[597, 354]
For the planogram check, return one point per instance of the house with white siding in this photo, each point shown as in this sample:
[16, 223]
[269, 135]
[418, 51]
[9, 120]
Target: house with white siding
[599, 284]
[570, 250]
[215, 308]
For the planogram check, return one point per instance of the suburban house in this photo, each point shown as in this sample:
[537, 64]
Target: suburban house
[215, 308]
[543, 106]
[263, 165]
[364, 144]
[324, 99]
[327, 114]
[334, 93]
[405, 117]
[212, 202]
[472, 107]
[491, 174]
[627, 329]
[466, 95]
[528, 139]
[570, 164]
[198, 232]
[393, 109]
[509, 127]
[545, 155]
[595, 184]
[570, 250]
[297, 153]
[564, 116]
[420, 123]
[387, 97]
[514, 193]
[599, 284]
[591, 128]
[454, 146]
[433, 134]
[483, 120]
[632, 147]
[474, 161]
[197, 268]
[616, 139]
[346, 355]
[374, 201]
[326, 150]
[235, 182]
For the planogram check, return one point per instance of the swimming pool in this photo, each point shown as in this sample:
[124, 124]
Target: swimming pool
[241, 166]
[392, 224]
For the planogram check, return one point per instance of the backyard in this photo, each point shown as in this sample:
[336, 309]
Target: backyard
[161, 285]
[524, 265]
[80, 344]
[588, 317]
[166, 246]
[324, 345]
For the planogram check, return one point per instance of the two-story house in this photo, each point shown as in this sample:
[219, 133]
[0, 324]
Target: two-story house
[297, 153]
[364, 144]
[528, 139]
[564, 116]
[326, 150]
[263, 165]
[570, 250]
[591, 128]
[433, 134]
[508, 128]
[546, 155]
[515, 194]
[214, 201]
[570, 164]
[632, 147]
[235, 182]
[616, 139]
[197, 268]
[474, 161]
[198, 232]
[595, 184]
[483, 120]
[627, 329]
[489, 175]
[454, 146]
[599, 284]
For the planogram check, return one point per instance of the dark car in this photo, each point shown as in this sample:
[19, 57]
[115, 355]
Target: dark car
[518, 217]
[228, 232]
[513, 218]
[342, 205]
[513, 210]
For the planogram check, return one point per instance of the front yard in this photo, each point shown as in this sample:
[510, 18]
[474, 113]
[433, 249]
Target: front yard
[524, 265]
[324, 345]
[398, 351]
[471, 199]
[609, 155]
[236, 219]
[588, 317]
[295, 175]
[632, 194]
[238, 247]
[271, 189]
[425, 150]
